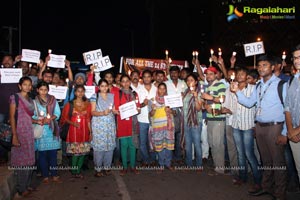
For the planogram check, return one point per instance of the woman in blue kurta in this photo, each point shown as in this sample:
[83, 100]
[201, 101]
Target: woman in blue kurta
[47, 145]
[103, 128]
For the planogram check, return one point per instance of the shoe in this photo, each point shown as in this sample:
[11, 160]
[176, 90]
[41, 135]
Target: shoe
[237, 181]
[45, 180]
[123, 172]
[256, 190]
[56, 179]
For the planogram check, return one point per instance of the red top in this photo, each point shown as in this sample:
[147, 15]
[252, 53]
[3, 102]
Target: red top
[124, 127]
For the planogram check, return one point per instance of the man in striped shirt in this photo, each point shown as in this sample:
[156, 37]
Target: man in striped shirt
[242, 124]
[215, 120]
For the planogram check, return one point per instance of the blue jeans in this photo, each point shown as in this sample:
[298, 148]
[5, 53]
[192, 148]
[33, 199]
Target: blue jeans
[192, 135]
[147, 157]
[244, 141]
[165, 157]
[48, 162]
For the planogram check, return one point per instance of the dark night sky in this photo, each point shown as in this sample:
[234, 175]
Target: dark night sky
[74, 27]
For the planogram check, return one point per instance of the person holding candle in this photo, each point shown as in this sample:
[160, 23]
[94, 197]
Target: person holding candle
[192, 121]
[49, 143]
[145, 92]
[270, 128]
[103, 129]
[128, 128]
[215, 120]
[176, 86]
[22, 151]
[79, 134]
[243, 123]
[161, 133]
[279, 69]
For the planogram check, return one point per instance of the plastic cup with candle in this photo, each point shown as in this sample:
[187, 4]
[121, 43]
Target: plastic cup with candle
[191, 87]
[213, 107]
[110, 106]
[234, 53]
[220, 52]
[78, 119]
[283, 55]
[232, 76]
[49, 51]
[211, 52]
[48, 116]
[194, 53]
[42, 113]
[30, 65]
[67, 81]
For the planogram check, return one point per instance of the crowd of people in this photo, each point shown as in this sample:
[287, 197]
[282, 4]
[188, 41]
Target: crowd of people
[248, 117]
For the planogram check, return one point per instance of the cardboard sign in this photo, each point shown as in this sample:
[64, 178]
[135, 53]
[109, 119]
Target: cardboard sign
[9, 75]
[128, 109]
[31, 56]
[57, 61]
[92, 57]
[59, 92]
[254, 48]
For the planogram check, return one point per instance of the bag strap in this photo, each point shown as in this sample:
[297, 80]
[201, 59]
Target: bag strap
[36, 108]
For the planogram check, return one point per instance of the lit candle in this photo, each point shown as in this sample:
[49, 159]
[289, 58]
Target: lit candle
[67, 80]
[154, 102]
[167, 53]
[42, 113]
[194, 53]
[30, 65]
[234, 53]
[110, 106]
[48, 116]
[136, 99]
[170, 60]
[220, 52]
[213, 106]
[211, 52]
[191, 87]
[78, 118]
[283, 55]
[201, 89]
[221, 99]
[49, 51]
[210, 61]
[232, 76]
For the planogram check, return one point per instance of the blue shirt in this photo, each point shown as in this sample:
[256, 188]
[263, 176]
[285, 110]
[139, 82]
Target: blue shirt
[292, 101]
[267, 100]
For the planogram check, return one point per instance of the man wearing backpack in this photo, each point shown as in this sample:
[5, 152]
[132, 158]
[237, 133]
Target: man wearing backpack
[270, 128]
[292, 108]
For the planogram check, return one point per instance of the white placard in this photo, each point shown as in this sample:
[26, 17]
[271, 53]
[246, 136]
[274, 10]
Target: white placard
[10, 75]
[102, 64]
[57, 61]
[254, 48]
[173, 101]
[89, 91]
[59, 92]
[128, 110]
[92, 57]
[31, 56]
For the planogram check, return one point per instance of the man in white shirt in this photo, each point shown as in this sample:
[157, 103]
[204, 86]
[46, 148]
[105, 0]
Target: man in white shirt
[145, 92]
[135, 78]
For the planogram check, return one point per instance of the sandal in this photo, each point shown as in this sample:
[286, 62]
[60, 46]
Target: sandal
[56, 179]
[45, 180]
[107, 172]
[79, 176]
[99, 174]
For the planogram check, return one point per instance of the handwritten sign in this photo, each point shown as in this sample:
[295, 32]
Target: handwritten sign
[59, 92]
[254, 48]
[128, 110]
[92, 57]
[10, 75]
[173, 101]
[31, 55]
[103, 64]
[89, 91]
[57, 61]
